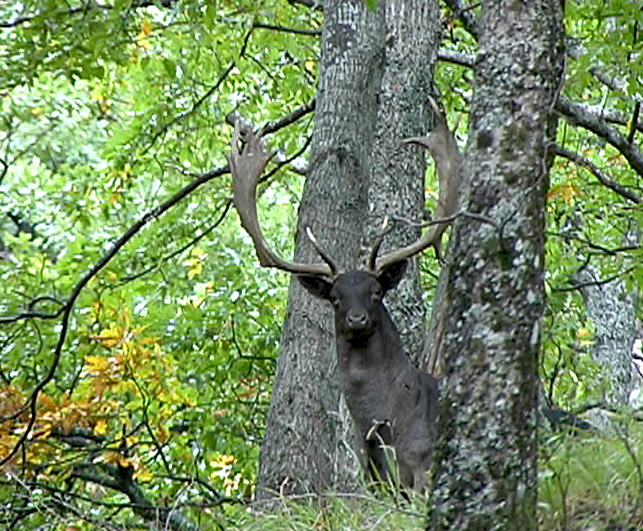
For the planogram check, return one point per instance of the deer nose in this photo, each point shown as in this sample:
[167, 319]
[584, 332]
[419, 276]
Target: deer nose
[357, 319]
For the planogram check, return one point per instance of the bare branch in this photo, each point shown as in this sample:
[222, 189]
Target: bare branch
[455, 57]
[112, 478]
[182, 116]
[294, 31]
[600, 282]
[634, 122]
[273, 127]
[576, 114]
[597, 172]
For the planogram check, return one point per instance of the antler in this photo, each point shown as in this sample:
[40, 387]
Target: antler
[443, 147]
[246, 169]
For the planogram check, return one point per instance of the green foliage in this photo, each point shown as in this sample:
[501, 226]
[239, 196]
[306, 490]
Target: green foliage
[169, 356]
[166, 368]
[592, 482]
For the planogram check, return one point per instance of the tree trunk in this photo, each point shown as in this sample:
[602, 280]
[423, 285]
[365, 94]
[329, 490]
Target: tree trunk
[376, 75]
[397, 171]
[300, 449]
[611, 308]
[485, 472]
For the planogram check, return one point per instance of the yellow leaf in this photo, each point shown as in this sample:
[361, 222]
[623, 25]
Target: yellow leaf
[109, 338]
[582, 333]
[143, 475]
[101, 427]
[97, 364]
[37, 111]
[146, 27]
[223, 461]
[567, 191]
[162, 433]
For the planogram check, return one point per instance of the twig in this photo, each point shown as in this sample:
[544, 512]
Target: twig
[589, 283]
[455, 57]
[295, 31]
[181, 249]
[182, 116]
[597, 172]
[576, 114]
[634, 122]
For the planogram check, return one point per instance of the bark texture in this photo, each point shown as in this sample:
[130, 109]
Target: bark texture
[485, 472]
[397, 172]
[300, 449]
[611, 308]
[375, 78]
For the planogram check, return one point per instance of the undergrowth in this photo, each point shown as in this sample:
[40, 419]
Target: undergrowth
[586, 482]
[592, 481]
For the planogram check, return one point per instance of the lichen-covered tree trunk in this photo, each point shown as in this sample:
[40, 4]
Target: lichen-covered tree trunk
[485, 472]
[611, 308]
[300, 449]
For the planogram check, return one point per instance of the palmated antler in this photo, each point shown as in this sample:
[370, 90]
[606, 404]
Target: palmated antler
[246, 169]
[443, 147]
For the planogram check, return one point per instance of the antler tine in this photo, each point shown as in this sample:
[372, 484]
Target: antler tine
[372, 257]
[246, 169]
[325, 256]
[430, 238]
[443, 147]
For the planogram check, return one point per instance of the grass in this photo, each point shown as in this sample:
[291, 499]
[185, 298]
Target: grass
[586, 482]
[593, 482]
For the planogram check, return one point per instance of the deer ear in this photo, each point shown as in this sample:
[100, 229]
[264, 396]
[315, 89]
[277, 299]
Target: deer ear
[391, 275]
[316, 286]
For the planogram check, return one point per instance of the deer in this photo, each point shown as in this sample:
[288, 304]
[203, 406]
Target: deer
[394, 405]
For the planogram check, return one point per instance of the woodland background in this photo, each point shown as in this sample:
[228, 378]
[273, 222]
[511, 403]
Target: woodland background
[132, 304]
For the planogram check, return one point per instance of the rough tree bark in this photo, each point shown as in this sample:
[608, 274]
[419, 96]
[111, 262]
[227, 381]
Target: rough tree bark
[485, 472]
[300, 449]
[611, 308]
[376, 75]
[397, 172]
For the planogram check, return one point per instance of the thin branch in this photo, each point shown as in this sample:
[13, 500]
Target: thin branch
[576, 114]
[634, 122]
[604, 250]
[182, 116]
[281, 164]
[590, 283]
[291, 118]
[455, 57]
[597, 172]
[192, 242]
[5, 169]
[294, 31]
[140, 504]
